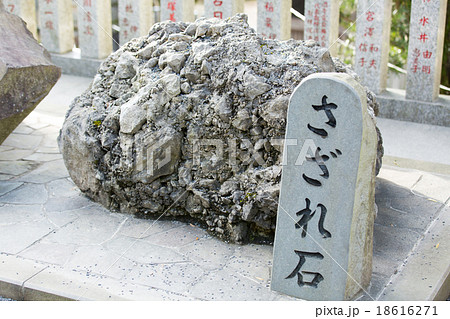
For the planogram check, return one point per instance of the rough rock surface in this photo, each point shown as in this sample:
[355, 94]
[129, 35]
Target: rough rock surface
[26, 72]
[188, 122]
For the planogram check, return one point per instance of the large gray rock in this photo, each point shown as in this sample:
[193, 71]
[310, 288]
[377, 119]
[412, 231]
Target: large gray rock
[26, 72]
[193, 126]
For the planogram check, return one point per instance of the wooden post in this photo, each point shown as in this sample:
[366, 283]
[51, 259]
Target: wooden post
[372, 42]
[223, 9]
[322, 22]
[56, 25]
[177, 10]
[94, 28]
[426, 43]
[135, 18]
[274, 19]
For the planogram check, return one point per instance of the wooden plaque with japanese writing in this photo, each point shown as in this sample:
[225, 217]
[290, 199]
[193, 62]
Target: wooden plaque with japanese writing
[323, 240]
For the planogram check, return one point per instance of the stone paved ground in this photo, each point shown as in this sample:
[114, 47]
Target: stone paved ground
[57, 244]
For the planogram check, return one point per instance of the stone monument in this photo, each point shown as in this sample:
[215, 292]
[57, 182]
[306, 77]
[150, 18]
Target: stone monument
[26, 72]
[426, 44]
[135, 18]
[177, 10]
[372, 42]
[324, 233]
[56, 25]
[223, 9]
[322, 22]
[274, 19]
[95, 28]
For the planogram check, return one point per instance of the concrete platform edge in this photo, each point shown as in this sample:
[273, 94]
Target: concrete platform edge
[414, 281]
[394, 105]
[72, 63]
[430, 167]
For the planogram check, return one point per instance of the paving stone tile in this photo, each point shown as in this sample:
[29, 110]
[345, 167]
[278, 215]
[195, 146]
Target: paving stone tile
[48, 150]
[97, 210]
[48, 252]
[385, 189]
[49, 130]
[62, 188]
[178, 237]
[434, 186]
[15, 168]
[14, 271]
[140, 228]
[4, 148]
[23, 129]
[227, 285]
[377, 284]
[61, 204]
[260, 253]
[26, 194]
[177, 277]
[283, 297]
[60, 219]
[27, 142]
[14, 155]
[143, 252]
[257, 272]
[81, 286]
[91, 229]
[35, 122]
[6, 187]
[17, 237]
[402, 199]
[253, 262]
[47, 172]
[49, 141]
[427, 267]
[16, 214]
[99, 260]
[402, 177]
[42, 157]
[143, 293]
[5, 177]
[416, 206]
[403, 219]
[391, 247]
[209, 253]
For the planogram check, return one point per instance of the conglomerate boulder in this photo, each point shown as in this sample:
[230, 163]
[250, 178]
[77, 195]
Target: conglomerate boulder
[188, 122]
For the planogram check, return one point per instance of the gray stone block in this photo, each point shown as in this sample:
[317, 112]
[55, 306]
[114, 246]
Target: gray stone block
[425, 48]
[72, 63]
[322, 22]
[329, 169]
[223, 9]
[274, 19]
[394, 105]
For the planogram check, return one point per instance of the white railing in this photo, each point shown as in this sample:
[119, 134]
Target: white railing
[93, 22]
